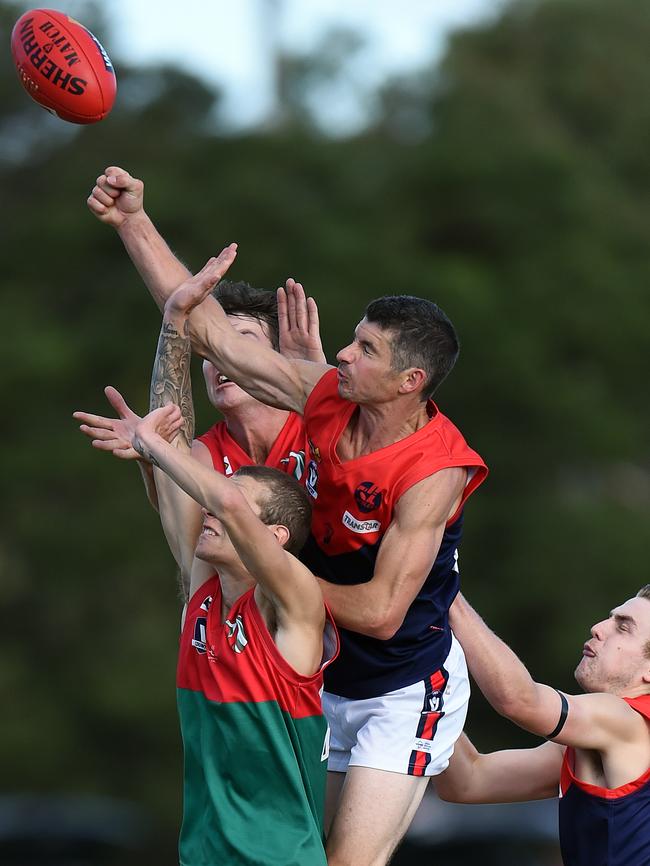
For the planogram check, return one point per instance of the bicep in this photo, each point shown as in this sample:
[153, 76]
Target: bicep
[594, 721]
[412, 541]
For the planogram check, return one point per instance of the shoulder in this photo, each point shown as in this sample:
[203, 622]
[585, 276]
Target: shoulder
[324, 386]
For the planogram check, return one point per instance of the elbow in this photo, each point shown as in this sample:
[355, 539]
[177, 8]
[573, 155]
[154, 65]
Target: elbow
[383, 626]
[451, 793]
[517, 709]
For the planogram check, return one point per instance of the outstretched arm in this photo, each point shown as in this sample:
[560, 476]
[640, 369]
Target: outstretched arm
[117, 199]
[171, 386]
[265, 374]
[284, 582]
[593, 721]
[114, 435]
[508, 776]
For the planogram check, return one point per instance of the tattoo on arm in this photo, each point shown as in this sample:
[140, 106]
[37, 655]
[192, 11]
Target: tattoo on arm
[143, 451]
[170, 379]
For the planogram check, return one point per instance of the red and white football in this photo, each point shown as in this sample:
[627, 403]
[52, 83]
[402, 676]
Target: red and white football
[63, 66]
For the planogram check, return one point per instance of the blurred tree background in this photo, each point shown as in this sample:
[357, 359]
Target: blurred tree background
[509, 183]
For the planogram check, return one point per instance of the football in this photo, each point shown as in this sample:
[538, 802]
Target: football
[63, 66]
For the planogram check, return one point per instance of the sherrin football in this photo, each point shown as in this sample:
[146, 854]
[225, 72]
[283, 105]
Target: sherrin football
[63, 66]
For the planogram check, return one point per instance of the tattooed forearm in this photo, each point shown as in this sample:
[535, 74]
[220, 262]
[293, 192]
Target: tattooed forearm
[170, 379]
[143, 451]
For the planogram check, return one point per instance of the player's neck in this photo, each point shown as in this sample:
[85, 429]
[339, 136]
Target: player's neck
[377, 426]
[255, 429]
[234, 583]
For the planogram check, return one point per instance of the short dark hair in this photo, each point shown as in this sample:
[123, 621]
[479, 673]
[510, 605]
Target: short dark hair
[422, 336]
[242, 299]
[286, 502]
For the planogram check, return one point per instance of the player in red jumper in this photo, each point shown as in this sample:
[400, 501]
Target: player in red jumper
[254, 643]
[599, 750]
[389, 476]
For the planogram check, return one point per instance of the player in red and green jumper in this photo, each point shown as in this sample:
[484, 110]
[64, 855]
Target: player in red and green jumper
[255, 641]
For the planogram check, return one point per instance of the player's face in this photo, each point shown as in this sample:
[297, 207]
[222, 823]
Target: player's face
[214, 544]
[613, 660]
[365, 374]
[222, 393]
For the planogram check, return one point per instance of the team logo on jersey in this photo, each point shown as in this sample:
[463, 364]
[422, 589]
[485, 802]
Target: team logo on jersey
[199, 638]
[314, 450]
[367, 496]
[227, 468]
[295, 464]
[312, 479]
[236, 635]
[362, 527]
[205, 604]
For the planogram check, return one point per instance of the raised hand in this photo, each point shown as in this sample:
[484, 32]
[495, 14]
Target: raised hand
[116, 434]
[298, 323]
[196, 289]
[116, 196]
[156, 423]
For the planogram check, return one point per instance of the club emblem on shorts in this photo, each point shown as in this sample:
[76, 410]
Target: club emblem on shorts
[435, 702]
[295, 464]
[236, 635]
[367, 496]
[312, 479]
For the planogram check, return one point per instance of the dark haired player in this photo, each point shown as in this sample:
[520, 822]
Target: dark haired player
[389, 476]
[598, 756]
[255, 640]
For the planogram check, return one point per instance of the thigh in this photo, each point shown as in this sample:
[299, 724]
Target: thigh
[374, 811]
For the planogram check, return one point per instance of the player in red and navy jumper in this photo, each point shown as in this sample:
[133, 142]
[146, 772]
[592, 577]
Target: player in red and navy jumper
[392, 528]
[598, 755]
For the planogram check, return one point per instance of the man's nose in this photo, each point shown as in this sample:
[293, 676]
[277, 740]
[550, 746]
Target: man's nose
[345, 355]
[598, 629]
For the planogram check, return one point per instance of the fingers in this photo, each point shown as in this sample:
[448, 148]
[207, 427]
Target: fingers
[118, 402]
[126, 454]
[109, 444]
[215, 268]
[94, 421]
[117, 179]
[312, 317]
[195, 290]
[296, 306]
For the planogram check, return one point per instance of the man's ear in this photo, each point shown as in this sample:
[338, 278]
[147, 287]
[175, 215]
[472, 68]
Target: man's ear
[281, 533]
[412, 380]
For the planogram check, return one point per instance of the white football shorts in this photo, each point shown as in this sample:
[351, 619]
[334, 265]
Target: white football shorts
[411, 730]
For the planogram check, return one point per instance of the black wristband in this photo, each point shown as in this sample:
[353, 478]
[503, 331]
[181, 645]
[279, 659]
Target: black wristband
[564, 711]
